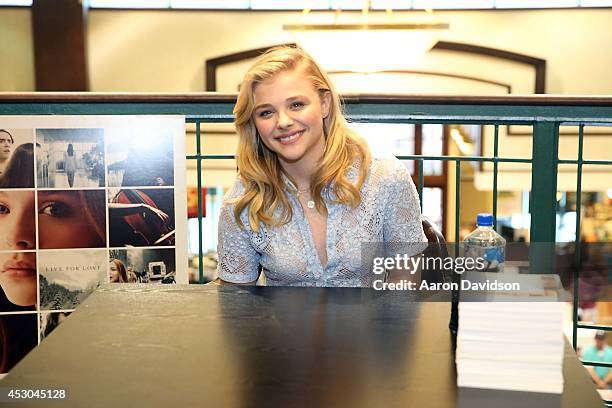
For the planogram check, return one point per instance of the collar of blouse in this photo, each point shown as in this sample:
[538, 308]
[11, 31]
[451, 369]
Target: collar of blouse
[328, 192]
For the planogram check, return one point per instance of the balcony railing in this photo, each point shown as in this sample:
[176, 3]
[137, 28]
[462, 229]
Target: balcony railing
[543, 114]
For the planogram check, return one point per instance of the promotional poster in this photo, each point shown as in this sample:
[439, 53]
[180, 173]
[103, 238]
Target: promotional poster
[84, 201]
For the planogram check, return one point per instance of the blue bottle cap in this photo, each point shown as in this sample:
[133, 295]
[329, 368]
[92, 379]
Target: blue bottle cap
[484, 220]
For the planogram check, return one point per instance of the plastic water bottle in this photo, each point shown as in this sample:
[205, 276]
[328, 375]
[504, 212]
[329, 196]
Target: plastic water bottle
[484, 242]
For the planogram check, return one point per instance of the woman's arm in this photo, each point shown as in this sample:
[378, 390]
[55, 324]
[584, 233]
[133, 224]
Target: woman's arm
[129, 209]
[221, 282]
[238, 261]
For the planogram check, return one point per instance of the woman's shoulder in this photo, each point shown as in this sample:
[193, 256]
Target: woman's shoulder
[230, 198]
[388, 169]
[235, 191]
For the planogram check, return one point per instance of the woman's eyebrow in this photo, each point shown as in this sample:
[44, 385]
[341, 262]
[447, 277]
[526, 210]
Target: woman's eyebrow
[290, 99]
[263, 105]
[46, 196]
[293, 98]
[56, 196]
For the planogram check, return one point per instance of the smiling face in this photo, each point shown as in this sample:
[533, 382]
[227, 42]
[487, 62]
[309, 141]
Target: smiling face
[18, 277]
[289, 117]
[17, 230]
[64, 220]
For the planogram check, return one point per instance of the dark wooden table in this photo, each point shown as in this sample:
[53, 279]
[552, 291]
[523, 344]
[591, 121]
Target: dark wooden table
[134, 345]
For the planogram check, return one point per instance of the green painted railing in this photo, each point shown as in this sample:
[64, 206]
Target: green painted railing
[545, 114]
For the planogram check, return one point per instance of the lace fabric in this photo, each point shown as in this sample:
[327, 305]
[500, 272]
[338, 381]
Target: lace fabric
[389, 213]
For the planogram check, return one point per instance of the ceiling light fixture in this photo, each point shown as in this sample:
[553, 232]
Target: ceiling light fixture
[374, 41]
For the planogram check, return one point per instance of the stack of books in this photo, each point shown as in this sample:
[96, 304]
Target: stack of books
[509, 345]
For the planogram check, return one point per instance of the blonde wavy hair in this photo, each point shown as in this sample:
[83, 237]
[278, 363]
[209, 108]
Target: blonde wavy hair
[259, 168]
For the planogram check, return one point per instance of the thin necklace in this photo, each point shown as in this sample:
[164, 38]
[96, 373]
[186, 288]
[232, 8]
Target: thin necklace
[309, 203]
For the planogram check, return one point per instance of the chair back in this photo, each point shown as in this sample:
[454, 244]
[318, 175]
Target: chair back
[437, 248]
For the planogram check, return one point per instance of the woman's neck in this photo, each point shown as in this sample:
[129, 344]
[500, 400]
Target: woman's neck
[299, 175]
[301, 172]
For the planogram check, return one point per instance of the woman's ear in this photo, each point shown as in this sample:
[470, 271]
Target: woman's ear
[326, 103]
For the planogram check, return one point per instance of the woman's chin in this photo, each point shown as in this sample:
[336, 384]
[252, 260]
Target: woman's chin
[21, 293]
[22, 300]
[291, 156]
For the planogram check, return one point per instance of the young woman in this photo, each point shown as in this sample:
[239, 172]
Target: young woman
[116, 271]
[70, 164]
[6, 142]
[19, 171]
[17, 222]
[18, 279]
[71, 219]
[308, 194]
[135, 220]
[17, 233]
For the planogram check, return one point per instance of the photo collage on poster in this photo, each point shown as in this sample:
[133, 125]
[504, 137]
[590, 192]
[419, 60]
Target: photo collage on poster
[79, 207]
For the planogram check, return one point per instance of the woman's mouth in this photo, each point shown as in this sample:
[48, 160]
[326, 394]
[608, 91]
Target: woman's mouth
[19, 269]
[20, 272]
[290, 138]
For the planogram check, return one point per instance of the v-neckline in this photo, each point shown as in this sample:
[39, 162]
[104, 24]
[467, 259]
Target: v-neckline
[312, 238]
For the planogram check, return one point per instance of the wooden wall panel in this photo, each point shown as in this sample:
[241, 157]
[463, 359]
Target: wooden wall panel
[58, 28]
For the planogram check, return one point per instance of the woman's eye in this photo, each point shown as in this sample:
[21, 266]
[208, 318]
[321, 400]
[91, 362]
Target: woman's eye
[297, 105]
[4, 209]
[55, 209]
[264, 114]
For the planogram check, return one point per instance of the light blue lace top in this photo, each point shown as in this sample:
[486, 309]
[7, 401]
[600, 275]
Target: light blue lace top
[389, 212]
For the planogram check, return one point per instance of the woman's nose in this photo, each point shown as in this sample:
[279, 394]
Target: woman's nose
[284, 120]
[21, 234]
